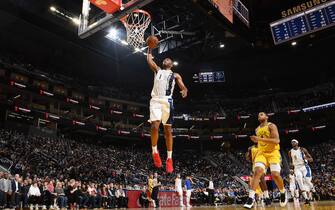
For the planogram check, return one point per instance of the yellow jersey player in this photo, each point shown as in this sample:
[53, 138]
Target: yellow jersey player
[268, 155]
[262, 187]
[150, 188]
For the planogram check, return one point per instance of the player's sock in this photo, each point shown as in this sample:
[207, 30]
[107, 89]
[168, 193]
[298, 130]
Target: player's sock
[250, 201]
[169, 154]
[251, 194]
[304, 194]
[282, 190]
[266, 194]
[154, 149]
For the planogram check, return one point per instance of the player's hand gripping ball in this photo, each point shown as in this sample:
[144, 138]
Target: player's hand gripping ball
[152, 42]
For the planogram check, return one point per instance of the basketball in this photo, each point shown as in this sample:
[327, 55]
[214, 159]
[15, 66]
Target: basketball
[152, 41]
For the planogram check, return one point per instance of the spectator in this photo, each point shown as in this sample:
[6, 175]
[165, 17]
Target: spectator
[83, 196]
[104, 196]
[7, 190]
[92, 192]
[121, 197]
[144, 198]
[34, 195]
[47, 200]
[24, 192]
[2, 190]
[111, 196]
[210, 190]
[60, 195]
[16, 191]
[71, 194]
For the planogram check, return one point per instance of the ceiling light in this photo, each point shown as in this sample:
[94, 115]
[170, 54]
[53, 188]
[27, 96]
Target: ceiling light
[75, 21]
[112, 34]
[52, 8]
[124, 42]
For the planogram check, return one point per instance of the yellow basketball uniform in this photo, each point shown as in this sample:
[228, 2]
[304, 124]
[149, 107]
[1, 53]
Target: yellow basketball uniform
[150, 188]
[268, 153]
[150, 185]
[254, 151]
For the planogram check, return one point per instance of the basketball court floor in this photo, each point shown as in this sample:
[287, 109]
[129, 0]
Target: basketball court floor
[321, 205]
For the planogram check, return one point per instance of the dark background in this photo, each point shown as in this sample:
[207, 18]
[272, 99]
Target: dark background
[251, 63]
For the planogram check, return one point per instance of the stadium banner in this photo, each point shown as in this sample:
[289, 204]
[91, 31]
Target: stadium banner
[166, 198]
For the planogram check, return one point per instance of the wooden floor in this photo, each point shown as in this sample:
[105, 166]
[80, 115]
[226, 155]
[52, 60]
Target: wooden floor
[322, 205]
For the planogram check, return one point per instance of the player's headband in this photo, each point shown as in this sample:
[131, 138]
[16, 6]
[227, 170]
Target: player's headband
[294, 140]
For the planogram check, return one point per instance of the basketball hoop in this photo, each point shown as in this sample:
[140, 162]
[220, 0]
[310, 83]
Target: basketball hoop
[136, 23]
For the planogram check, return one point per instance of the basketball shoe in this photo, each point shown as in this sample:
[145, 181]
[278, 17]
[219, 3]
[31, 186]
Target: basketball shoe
[157, 160]
[169, 165]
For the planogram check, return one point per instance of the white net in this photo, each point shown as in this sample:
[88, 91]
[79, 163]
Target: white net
[136, 23]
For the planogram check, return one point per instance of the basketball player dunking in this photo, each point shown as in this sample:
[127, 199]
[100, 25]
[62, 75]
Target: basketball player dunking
[267, 139]
[161, 107]
[299, 159]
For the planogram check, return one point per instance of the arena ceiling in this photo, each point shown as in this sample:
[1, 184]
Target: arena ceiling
[249, 58]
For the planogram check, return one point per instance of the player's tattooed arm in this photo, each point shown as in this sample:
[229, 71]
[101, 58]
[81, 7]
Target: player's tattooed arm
[181, 85]
[248, 155]
[153, 66]
[290, 159]
[307, 155]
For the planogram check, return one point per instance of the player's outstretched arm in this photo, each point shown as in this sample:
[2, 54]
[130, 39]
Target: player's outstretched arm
[248, 155]
[290, 160]
[153, 66]
[307, 155]
[181, 85]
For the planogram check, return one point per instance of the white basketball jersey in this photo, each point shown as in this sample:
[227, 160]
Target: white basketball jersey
[292, 179]
[164, 82]
[178, 184]
[298, 157]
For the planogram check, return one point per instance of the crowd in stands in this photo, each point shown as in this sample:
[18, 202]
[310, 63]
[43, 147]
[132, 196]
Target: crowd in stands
[216, 104]
[323, 169]
[65, 172]
[209, 105]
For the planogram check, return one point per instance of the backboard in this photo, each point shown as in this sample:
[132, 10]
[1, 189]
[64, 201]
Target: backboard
[87, 27]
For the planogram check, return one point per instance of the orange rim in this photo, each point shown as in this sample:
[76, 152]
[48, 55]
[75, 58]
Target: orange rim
[137, 11]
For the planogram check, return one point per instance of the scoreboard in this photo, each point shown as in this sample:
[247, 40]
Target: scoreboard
[211, 77]
[312, 20]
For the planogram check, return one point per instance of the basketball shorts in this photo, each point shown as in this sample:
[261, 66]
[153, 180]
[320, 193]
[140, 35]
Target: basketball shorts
[300, 171]
[308, 179]
[179, 192]
[293, 187]
[308, 184]
[268, 159]
[161, 109]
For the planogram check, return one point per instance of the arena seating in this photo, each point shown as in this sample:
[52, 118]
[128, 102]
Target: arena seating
[59, 160]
